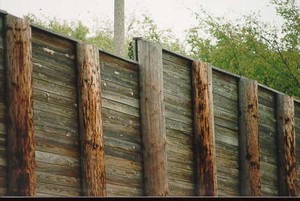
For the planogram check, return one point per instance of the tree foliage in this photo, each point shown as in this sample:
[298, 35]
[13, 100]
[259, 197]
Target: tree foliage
[252, 48]
[144, 27]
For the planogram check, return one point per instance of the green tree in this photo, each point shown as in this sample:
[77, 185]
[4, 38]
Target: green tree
[252, 48]
[103, 36]
[146, 28]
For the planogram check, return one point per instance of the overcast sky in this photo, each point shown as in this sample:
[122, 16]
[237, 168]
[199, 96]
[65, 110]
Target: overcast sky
[175, 14]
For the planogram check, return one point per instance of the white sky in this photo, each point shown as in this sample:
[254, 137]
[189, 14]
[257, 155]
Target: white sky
[173, 14]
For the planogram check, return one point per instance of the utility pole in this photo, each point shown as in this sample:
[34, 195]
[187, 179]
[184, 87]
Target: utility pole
[119, 27]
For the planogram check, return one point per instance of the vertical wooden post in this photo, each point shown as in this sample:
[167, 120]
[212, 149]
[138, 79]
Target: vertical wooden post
[90, 109]
[204, 129]
[153, 118]
[287, 146]
[250, 184]
[21, 145]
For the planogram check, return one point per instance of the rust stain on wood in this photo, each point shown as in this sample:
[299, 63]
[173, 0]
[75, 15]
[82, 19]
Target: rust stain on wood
[204, 129]
[21, 145]
[249, 139]
[287, 146]
[90, 109]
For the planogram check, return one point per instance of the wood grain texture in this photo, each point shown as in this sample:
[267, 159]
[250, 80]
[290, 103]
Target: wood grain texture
[90, 109]
[225, 101]
[121, 126]
[268, 142]
[153, 118]
[21, 144]
[204, 130]
[249, 144]
[56, 115]
[178, 109]
[3, 135]
[287, 146]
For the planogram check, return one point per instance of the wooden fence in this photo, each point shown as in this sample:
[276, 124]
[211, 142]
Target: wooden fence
[76, 120]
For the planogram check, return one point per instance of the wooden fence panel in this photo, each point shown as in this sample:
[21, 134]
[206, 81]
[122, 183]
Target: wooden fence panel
[121, 126]
[267, 141]
[3, 161]
[56, 115]
[297, 130]
[179, 124]
[225, 99]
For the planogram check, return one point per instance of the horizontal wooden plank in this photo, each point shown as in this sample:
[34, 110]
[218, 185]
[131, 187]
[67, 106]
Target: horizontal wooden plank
[57, 190]
[61, 69]
[52, 41]
[225, 114]
[221, 101]
[225, 88]
[119, 89]
[56, 169]
[177, 116]
[175, 92]
[115, 190]
[178, 126]
[50, 58]
[180, 188]
[56, 100]
[55, 119]
[184, 103]
[69, 113]
[115, 61]
[178, 72]
[266, 97]
[59, 180]
[119, 75]
[175, 156]
[113, 105]
[55, 147]
[178, 81]
[122, 149]
[118, 172]
[179, 139]
[126, 100]
[45, 130]
[167, 56]
[63, 78]
[129, 177]
[54, 88]
[231, 125]
[57, 159]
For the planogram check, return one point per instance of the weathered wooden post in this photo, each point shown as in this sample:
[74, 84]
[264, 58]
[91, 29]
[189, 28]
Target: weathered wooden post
[21, 144]
[90, 109]
[286, 146]
[204, 129]
[250, 184]
[153, 118]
